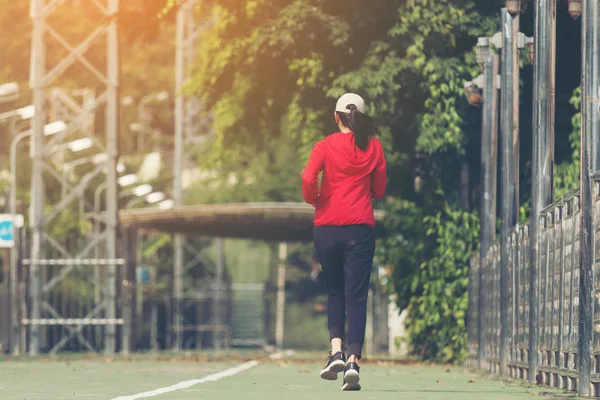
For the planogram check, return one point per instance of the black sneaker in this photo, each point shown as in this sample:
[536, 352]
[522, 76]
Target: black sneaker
[351, 377]
[335, 364]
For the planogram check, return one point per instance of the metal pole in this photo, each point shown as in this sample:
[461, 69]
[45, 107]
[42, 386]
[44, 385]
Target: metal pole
[280, 316]
[141, 118]
[543, 155]
[112, 126]
[177, 169]
[219, 287]
[14, 250]
[97, 268]
[97, 271]
[129, 287]
[514, 220]
[464, 186]
[143, 121]
[154, 315]
[38, 63]
[489, 180]
[508, 183]
[515, 121]
[139, 287]
[590, 140]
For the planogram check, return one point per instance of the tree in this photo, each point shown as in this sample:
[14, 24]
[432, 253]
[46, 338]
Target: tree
[272, 72]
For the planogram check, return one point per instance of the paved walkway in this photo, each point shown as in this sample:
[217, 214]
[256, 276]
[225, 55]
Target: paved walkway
[227, 380]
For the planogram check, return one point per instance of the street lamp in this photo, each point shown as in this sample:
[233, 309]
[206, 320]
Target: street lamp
[575, 8]
[160, 96]
[22, 113]
[513, 7]
[152, 198]
[95, 160]
[128, 180]
[49, 129]
[54, 127]
[127, 101]
[125, 180]
[80, 144]
[141, 190]
[26, 112]
[166, 204]
[482, 50]
[489, 174]
[9, 92]
[155, 197]
[473, 91]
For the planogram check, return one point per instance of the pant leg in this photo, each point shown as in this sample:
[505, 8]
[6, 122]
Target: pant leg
[330, 252]
[358, 264]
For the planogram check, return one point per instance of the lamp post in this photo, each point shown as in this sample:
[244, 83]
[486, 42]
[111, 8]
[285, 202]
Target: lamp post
[95, 160]
[22, 113]
[69, 167]
[123, 181]
[510, 40]
[143, 129]
[48, 130]
[150, 198]
[509, 166]
[488, 178]
[590, 162]
[544, 53]
[160, 96]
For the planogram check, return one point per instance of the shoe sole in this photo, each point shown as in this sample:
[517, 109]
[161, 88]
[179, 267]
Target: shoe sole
[351, 379]
[331, 372]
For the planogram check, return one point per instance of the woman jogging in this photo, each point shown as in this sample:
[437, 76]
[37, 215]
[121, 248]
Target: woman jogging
[354, 172]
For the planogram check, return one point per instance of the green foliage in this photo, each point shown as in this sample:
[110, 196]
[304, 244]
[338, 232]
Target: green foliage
[430, 277]
[566, 175]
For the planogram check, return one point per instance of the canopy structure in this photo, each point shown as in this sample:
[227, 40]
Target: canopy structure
[280, 222]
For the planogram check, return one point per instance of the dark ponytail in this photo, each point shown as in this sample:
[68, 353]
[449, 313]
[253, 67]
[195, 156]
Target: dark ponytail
[362, 125]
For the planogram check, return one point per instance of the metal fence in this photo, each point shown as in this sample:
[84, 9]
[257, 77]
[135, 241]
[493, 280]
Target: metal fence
[558, 294]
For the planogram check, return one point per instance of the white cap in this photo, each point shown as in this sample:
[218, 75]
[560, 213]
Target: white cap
[347, 99]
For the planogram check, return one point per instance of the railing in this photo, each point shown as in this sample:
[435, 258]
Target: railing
[558, 293]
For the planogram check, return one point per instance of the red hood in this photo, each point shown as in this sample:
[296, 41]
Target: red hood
[346, 155]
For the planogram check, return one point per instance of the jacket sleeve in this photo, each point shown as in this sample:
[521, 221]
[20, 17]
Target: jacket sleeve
[310, 175]
[379, 175]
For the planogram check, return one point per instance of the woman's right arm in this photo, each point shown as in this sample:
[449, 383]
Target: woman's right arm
[310, 175]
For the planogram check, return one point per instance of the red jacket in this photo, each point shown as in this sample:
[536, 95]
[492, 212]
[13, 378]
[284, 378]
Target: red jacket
[351, 178]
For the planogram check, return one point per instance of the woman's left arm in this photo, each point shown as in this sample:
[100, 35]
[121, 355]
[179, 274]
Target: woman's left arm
[310, 175]
[379, 175]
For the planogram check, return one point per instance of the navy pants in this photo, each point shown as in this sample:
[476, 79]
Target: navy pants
[346, 255]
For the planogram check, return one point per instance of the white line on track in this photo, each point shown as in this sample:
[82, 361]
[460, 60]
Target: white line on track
[190, 383]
